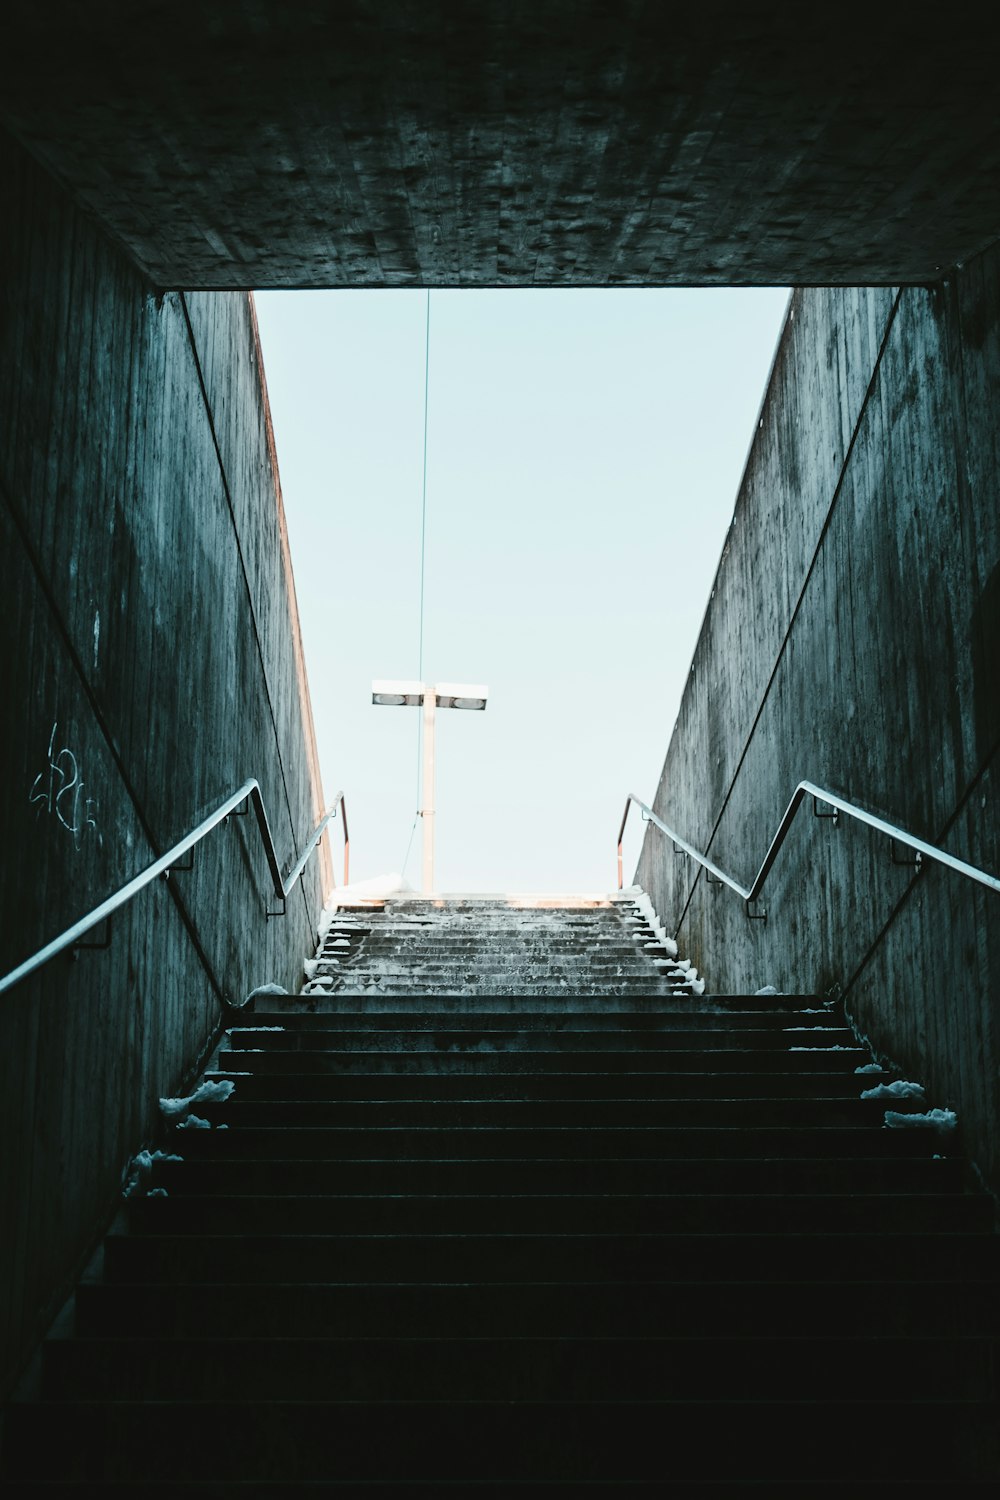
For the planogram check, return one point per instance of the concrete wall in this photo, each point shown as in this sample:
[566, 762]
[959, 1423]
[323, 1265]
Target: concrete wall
[498, 144]
[853, 638]
[151, 663]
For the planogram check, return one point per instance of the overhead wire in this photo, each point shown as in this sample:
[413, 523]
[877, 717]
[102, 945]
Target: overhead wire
[423, 559]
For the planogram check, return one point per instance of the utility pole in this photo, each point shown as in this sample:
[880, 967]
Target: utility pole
[428, 809]
[431, 697]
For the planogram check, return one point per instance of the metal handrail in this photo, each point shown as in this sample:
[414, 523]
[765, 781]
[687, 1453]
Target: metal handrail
[306, 854]
[282, 886]
[819, 794]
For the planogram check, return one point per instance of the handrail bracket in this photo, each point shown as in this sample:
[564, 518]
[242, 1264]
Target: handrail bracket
[922, 852]
[915, 862]
[180, 857]
[98, 947]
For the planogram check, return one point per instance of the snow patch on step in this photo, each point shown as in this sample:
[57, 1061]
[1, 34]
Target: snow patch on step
[321, 985]
[138, 1172]
[943, 1120]
[635, 894]
[901, 1089]
[265, 989]
[205, 1093]
[641, 901]
[375, 889]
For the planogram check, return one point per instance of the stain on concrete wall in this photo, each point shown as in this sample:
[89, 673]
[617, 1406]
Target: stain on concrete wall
[150, 664]
[852, 639]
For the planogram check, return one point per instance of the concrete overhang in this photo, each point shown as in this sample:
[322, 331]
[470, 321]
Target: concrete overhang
[492, 143]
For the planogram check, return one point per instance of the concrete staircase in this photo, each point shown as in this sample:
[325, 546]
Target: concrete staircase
[501, 1206]
[482, 946]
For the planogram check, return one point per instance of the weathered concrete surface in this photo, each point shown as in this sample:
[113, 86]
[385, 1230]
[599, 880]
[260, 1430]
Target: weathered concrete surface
[150, 664]
[853, 638]
[521, 142]
[483, 946]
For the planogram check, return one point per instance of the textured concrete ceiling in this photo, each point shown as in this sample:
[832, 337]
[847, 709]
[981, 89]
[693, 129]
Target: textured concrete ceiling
[491, 142]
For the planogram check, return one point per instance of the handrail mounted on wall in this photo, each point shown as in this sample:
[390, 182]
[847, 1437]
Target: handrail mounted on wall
[282, 886]
[819, 794]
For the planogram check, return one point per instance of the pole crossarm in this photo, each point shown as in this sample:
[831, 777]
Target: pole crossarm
[281, 885]
[896, 835]
[429, 697]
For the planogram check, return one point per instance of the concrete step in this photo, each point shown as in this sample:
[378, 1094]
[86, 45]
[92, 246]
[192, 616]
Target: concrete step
[513, 978]
[544, 1256]
[469, 978]
[570, 964]
[582, 1112]
[499, 942]
[546, 1213]
[864, 1178]
[558, 1442]
[333, 1143]
[495, 937]
[582, 1236]
[484, 963]
[451, 912]
[481, 1060]
[573, 993]
[221, 1489]
[445, 1078]
[615, 1369]
[524, 1006]
[683, 1015]
[501, 945]
[797, 1306]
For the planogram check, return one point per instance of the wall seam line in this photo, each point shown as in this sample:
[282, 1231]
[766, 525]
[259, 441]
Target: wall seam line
[838, 488]
[243, 567]
[915, 880]
[959, 407]
[105, 729]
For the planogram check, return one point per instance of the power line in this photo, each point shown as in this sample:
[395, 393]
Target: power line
[423, 560]
[423, 500]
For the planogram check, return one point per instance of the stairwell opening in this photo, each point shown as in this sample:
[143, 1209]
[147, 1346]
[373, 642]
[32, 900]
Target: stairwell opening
[584, 452]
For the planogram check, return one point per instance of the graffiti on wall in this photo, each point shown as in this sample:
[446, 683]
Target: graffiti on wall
[58, 791]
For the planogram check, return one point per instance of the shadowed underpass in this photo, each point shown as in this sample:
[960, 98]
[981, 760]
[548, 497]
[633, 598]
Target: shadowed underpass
[157, 163]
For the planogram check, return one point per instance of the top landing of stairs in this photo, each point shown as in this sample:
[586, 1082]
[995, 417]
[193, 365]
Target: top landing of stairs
[518, 943]
[348, 900]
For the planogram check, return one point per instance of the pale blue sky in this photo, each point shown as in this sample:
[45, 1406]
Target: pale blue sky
[585, 449]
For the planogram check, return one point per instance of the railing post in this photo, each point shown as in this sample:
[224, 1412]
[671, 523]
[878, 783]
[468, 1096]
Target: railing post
[347, 841]
[621, 835]
[430, 704]
[922, 850]
[249, 792]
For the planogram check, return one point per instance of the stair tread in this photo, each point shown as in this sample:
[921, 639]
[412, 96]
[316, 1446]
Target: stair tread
[557, 1229]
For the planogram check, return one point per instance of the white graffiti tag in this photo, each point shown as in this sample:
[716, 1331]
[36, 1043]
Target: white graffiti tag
[58, 791]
